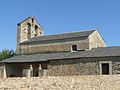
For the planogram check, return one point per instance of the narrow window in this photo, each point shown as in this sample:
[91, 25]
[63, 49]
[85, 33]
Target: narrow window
[29, 28]
[32, 20]
[36, 27]
[74, 47]
[105, 68]
[36, 30]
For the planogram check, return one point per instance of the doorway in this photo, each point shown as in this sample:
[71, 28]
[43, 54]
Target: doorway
[105, 68]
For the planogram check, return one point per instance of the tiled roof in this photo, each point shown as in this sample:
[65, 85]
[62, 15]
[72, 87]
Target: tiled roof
[55, 37]
[96, 52]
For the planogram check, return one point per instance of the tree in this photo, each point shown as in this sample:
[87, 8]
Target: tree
[4, 54]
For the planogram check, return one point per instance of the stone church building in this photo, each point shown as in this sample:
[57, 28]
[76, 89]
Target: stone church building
[68, 54]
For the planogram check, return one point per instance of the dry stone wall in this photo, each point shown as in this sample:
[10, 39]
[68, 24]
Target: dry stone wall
[62, 83]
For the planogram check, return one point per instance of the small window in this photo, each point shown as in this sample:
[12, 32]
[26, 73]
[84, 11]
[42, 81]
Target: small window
[32, 20]
[105, 68]
[74, 47]
[36, 27]
[29, 26]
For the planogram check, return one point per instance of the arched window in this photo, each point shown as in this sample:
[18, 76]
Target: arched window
[28, 27]
[36, 30]
[36, 27]
[32, 20]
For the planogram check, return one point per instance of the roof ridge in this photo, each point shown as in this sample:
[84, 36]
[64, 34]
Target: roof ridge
[70, 32]
[62, 36]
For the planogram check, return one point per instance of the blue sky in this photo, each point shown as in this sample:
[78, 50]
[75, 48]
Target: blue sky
[59, 16]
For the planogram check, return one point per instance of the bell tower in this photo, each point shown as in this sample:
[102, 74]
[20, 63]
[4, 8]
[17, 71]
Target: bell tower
[26, 30]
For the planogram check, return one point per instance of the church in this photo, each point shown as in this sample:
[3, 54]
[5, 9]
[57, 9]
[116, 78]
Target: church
[67, 54]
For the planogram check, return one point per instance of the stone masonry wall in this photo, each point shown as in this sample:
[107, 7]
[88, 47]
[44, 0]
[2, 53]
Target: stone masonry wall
[83, 66]
[62, 83]
[23, 30]
[116, 66]
[54, 47]
[95, 40]
[73, 67]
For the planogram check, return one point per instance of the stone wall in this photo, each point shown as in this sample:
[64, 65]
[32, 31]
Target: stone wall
[96, 40]
[62, 83]
[71, 67]
[93, 41]
[116, 66]
[54, 47]
[66, 67]
[83, 66]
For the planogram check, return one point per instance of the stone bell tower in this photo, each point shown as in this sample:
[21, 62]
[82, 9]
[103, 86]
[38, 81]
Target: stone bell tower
[27, 29]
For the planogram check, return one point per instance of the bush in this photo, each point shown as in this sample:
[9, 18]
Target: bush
[4, 54]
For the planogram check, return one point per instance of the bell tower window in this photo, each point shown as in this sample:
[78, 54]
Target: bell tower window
[29, 26]
[36, 27]
[32, 20]
[36, 30]
[29, 30]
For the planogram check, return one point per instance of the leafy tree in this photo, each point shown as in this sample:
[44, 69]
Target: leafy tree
[4, 54]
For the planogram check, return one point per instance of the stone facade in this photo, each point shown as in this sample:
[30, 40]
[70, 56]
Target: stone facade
[53, 47]
[96, 40]
[27, 29]
[30, 28]
[65, 67]
[39, 56]
[83, 66]
[62, 83]
[116, 66]
[93, 41]
[73, 67]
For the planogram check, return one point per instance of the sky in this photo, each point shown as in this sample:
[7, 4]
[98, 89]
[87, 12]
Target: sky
[61, 16]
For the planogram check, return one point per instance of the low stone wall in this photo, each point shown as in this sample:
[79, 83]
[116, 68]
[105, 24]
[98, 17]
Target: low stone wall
[62, 83]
